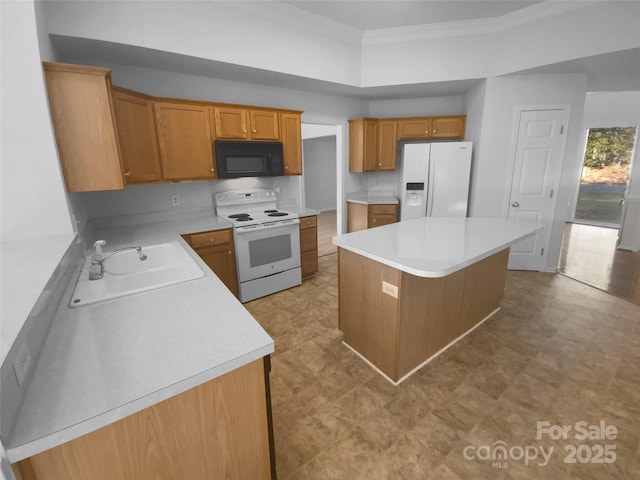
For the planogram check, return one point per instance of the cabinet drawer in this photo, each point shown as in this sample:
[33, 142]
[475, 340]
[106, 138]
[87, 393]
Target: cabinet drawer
[308, 222]
[379, 220]
[215, 237]
[383, 209]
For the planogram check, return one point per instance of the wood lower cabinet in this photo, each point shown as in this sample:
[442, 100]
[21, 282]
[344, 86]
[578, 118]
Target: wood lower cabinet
[291, 142]
[83, 119]
[217, 250]
[309, 245]
[185, 140]
[137, 134]
[220, 429]
[361, 216]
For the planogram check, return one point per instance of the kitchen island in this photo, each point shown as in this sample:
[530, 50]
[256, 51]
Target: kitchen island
[409, 290]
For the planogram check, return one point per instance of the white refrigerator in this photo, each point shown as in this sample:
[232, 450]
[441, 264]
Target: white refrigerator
[435, 179]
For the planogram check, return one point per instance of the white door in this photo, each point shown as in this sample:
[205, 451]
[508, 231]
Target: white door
[536, 174]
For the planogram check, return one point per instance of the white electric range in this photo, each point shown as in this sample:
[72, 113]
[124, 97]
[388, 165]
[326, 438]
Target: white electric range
[267, 241]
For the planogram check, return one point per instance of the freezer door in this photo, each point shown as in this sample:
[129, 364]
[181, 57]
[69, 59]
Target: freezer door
[449, 174]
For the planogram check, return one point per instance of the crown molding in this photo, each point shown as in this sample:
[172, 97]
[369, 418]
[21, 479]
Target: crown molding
[545, 9]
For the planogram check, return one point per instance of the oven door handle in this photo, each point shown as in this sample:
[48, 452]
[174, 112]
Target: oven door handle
[267, 226]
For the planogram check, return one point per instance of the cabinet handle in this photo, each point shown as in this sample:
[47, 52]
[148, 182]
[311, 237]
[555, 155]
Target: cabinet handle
[434, 131]
[426, 132]
[229, 252]
[244, 130]
[211, 240]
[254, 130]
[126, 174]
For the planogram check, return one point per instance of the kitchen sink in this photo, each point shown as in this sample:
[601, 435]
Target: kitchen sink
[126, 274]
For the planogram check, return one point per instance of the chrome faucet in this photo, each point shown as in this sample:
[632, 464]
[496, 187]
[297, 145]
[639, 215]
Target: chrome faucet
[97, 261]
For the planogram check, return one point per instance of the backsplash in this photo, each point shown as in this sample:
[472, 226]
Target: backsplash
[153, 198]
[33, 334]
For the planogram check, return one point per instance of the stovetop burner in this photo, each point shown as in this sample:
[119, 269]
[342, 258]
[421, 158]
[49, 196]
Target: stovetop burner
[239, 215]
[244, 219]
[270, 211]
[276, 214]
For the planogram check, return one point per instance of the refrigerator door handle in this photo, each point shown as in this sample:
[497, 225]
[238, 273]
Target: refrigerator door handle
[431, 187]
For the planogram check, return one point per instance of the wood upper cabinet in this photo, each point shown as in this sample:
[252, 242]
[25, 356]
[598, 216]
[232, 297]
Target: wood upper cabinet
[363, 145]
[448, 127]
[387, 144]
[217, 250]
[84, 123]
[137, 135]
[185, 140]
[246, 124]
[414, 128]
[420, 128]
[291, 142]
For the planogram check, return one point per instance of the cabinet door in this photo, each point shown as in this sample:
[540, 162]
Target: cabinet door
[382, 215]
[414, 128]
[387, 144]
[185, 141]
[222, 260]
[363, 145]
[357, 217]
[291, 143]
[448, 127]
[137, 134]
[231, 123]
[264, 125]
[83, 120]
[309, 246]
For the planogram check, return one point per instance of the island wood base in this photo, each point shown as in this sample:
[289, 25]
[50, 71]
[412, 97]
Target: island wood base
[220, 429]
[398, 335]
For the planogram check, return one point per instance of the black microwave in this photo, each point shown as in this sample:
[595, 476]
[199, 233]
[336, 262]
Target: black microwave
[236, 159]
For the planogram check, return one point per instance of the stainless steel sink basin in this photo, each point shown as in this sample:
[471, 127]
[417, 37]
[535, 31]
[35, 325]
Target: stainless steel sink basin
[125, 274]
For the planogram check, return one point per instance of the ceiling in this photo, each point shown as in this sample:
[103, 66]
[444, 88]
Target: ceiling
[354, 15]
[376, 15]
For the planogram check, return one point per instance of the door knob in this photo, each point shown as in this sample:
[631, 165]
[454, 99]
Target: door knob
[515, 204]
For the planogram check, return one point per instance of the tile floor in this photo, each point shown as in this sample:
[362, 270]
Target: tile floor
[558, 351]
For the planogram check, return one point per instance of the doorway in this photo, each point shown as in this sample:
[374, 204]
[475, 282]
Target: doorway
[320, 157]
[604, 177]
[589, 250]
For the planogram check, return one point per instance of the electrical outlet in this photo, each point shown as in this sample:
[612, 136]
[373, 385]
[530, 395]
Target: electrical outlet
[389, 289]
[22, 362]
[175, 200]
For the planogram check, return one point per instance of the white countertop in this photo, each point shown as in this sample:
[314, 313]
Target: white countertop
[105, 361]
[27, 266]
[435, 247]
[372, 198]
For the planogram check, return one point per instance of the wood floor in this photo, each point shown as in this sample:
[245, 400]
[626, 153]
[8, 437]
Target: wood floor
[326, 231]
[558, 351]
[589, 255]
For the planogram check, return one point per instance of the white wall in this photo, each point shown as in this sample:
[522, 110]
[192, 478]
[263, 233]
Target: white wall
[33, 201]
[211, 30]
[494, 163]
[411, 107]
[320, 172]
